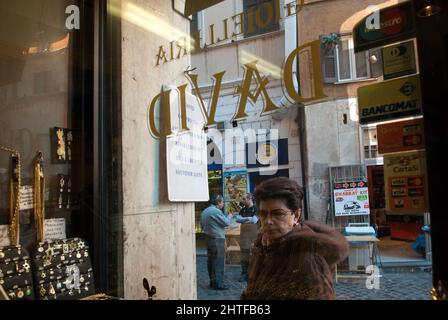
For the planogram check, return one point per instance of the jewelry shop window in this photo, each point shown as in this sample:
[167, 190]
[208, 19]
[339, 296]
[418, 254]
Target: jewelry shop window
[46, 127]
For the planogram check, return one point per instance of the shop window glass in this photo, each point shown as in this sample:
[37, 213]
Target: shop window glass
[39, 81]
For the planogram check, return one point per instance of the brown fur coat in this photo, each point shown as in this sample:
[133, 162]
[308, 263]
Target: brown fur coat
[297, 266]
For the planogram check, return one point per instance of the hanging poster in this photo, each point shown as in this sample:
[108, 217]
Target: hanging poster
[405, 181]
[351, 198]
[235, 186]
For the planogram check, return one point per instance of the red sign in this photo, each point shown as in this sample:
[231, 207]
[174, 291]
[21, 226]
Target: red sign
[396, 23]
[401, 136]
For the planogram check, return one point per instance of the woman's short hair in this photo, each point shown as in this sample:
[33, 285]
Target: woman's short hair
[280, 188]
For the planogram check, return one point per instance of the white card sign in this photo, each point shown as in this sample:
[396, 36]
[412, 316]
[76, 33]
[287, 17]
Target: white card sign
[186, 152]
[4, 235]
[26, 198]
[54, 229]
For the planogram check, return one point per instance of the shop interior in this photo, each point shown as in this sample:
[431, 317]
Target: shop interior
[402, 239]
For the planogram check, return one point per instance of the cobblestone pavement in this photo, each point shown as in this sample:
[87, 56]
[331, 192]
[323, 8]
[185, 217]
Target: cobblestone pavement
[393, 286]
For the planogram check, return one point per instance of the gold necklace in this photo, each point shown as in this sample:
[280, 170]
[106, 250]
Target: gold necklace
[39, 195]
[14, 199]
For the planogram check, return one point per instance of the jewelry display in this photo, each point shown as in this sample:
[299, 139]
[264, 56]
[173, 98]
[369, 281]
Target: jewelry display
[65, 188]
[69, 190]
[15, 275]
[69, 144]
[61, 144]
[63, 269]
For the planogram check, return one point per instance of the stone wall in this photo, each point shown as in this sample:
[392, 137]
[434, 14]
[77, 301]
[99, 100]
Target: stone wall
[159, 239]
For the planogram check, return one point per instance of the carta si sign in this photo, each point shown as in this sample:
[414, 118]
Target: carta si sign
[243, 90]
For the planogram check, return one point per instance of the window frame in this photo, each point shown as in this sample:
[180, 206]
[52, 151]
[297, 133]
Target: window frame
[256, 31]
[352, 62]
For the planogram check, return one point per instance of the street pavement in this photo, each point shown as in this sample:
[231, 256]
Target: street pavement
[392, 285]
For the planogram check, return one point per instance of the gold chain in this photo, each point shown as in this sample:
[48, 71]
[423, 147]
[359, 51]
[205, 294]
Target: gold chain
[440, 292]
[39, 196]
[14, 199]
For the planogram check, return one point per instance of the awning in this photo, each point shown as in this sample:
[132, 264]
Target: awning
[193, 6]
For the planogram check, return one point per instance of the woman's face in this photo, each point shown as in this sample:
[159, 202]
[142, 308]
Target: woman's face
[276, 219]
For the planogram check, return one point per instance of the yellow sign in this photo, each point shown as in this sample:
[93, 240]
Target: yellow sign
[388, 100]
[399, 60]
[266, 153]
[405, 182]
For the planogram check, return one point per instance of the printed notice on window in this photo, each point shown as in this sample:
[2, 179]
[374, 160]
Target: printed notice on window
[186, 153]
[54, 229]
[4, 235]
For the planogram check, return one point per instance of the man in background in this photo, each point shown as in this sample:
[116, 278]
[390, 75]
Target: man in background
[213, 223]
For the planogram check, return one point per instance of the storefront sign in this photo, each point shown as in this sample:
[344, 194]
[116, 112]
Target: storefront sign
[254, 17]
[399, 60]
[267, 153]
[54, 229]
[395, 23]
[186, 153]
[245, 91]
[351, 198]
[405, 181]
[401, 136]
[389, 100]
[235, 187]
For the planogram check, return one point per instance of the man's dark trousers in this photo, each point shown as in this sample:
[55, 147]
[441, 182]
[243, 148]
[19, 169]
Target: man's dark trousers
[215, 260]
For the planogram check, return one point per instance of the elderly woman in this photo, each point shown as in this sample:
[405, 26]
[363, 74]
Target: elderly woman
[291, 258]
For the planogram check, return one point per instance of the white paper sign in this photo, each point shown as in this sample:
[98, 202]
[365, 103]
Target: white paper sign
[4, 235]
[186, 153]
[26, 198]
[54, 229]
[351, 199]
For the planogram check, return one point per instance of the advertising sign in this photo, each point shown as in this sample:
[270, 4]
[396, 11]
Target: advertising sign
[389, 25]
[351, 198]
[389, 100]
[399, 60]
[186, 154]
[400, 136]
[235, 186]
[405, 181]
